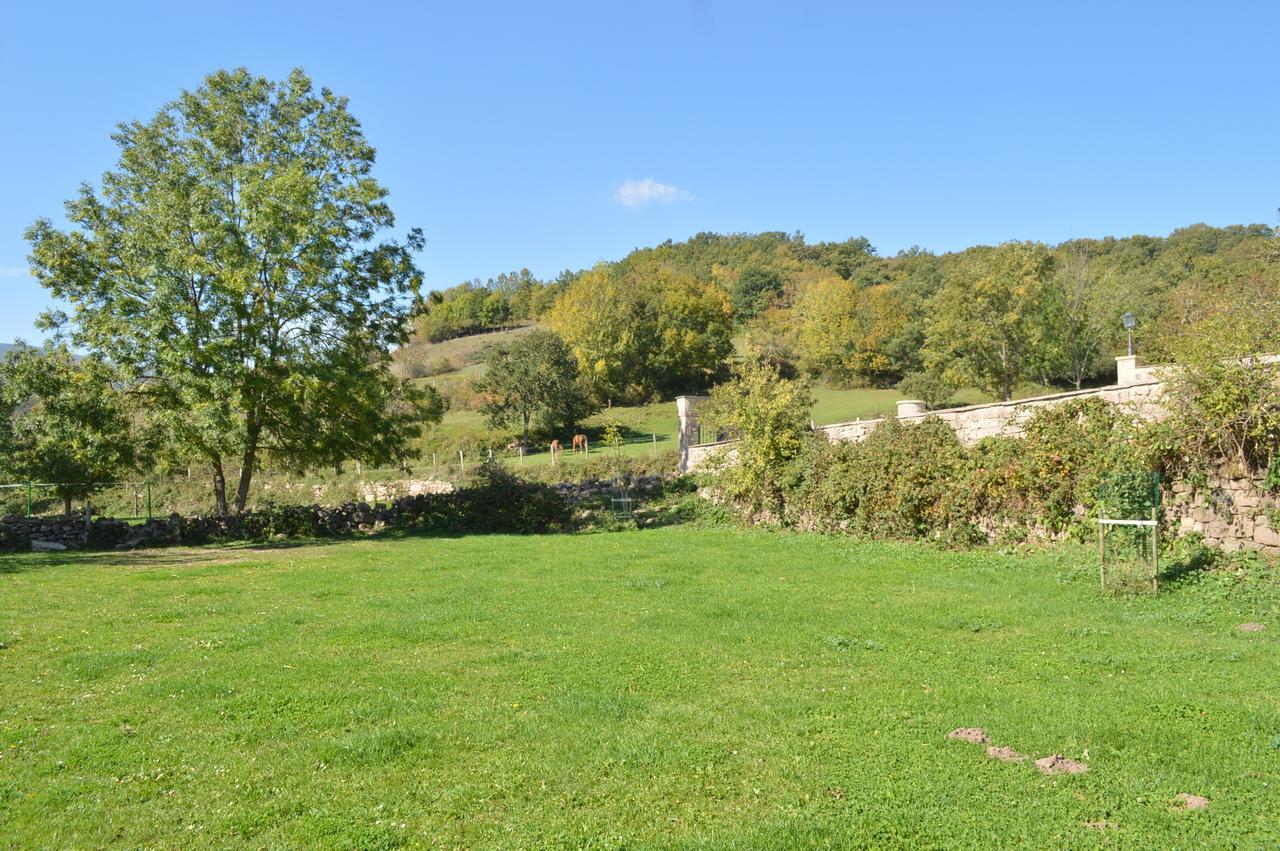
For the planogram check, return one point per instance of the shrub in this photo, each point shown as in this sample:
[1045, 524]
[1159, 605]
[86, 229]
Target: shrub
[928, 387]
[917, 481]
[902, 481]
[768, 416]
[495, 500]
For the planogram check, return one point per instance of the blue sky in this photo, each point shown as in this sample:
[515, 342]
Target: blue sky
[551, 135]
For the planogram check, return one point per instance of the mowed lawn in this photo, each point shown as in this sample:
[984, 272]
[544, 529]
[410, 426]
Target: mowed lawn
[678, 687]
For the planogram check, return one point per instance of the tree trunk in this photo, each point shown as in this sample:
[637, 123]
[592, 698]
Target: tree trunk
[247, 463]
[66, 505]
[219, 488]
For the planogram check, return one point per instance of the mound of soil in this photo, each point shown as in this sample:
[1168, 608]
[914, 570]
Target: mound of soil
[1059, 764]
[976, 735]
[1251, 627]
[1005, 754]
[1192, 802]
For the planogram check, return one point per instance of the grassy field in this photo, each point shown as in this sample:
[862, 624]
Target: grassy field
[678, 687]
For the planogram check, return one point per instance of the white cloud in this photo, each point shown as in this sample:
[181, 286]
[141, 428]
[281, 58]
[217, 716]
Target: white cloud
[638, 193]
[15, 272]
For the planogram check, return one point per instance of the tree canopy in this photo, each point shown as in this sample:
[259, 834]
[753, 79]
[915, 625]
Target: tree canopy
[64, 421]
[533, 383]
[639, 333]
[235, 264]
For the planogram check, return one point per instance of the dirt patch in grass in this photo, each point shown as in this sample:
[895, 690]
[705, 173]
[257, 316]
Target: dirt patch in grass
[1251, 627]
[1005, 754]
[1187, 801]
[1102, 825]
[1059, 764]
[975, 735]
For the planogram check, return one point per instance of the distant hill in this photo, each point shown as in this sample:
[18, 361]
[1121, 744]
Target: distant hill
[6, 347]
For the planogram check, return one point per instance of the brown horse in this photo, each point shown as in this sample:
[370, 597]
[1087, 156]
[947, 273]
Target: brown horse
[579, 442]
[555, 447]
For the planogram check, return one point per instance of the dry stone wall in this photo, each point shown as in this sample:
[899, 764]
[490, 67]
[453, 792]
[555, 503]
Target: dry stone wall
[1231, 511]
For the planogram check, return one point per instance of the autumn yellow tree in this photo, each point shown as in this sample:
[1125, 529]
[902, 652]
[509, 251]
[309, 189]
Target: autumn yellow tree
[844, 330]
[644, 332]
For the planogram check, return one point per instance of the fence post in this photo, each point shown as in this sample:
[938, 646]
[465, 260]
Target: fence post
[655, 444]
[462, 462]
[148, 500]
[28, 499]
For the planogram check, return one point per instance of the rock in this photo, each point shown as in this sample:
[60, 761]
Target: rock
[1266, 536]
[47, 546]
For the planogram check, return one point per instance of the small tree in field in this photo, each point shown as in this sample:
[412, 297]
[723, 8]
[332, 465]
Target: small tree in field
[234, 266]
[63, 422]
[533, 382]
[768, 416]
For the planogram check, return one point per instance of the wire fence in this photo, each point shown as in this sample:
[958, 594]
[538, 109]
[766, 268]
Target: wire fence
[129, 500]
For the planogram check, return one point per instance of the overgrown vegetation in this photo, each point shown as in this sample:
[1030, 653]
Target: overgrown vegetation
[917, 480]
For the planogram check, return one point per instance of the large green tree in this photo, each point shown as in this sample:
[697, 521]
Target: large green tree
[235, 264]
[64, 421]
[989, 324]
[533, 382]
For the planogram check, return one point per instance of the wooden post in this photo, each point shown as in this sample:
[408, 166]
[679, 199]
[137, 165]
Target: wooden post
[1155, 550]
[586, 445]
[522, 455]
[1102, 559]
[462, 462]
[655, 445]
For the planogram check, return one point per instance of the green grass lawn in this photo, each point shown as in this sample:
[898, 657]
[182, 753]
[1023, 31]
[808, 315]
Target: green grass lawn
[677, 687]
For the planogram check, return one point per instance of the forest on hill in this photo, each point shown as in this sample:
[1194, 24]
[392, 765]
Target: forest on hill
[668, 319]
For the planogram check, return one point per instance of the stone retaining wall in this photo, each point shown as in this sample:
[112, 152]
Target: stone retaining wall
[1232, 512]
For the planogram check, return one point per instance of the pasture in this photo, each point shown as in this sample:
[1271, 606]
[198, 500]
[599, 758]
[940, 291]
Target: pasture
[676, 687]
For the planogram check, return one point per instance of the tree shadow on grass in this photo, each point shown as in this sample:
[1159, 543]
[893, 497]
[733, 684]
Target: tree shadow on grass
[147, 557]
[1185, 569]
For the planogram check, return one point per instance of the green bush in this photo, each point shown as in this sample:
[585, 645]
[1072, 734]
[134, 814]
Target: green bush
[917, 481]
[900, 482]
[928, 387]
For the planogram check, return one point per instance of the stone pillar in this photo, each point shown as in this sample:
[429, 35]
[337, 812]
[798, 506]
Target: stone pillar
[911, 408]
[687, 410]
[1126, 370]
